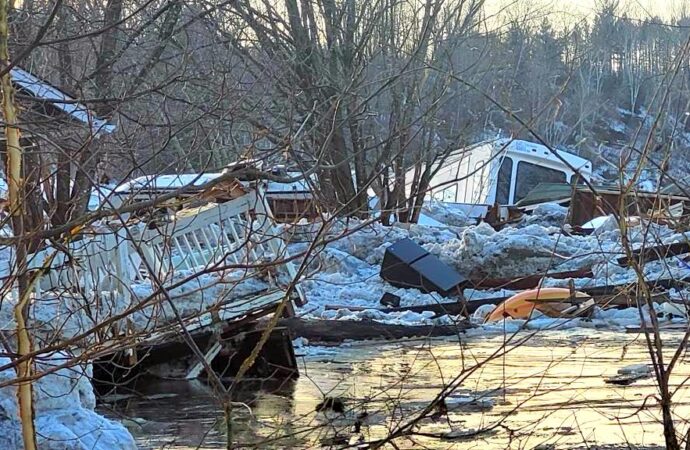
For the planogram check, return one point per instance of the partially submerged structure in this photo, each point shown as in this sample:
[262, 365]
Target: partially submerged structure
[205, 260]
[288, 202]
[152, 279]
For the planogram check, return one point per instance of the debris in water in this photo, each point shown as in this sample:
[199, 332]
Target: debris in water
[335, 404]
[629, 374]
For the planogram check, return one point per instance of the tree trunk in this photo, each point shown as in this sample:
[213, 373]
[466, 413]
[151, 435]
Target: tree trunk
[88, 160]
[104, 60]
[63, 177]
[15, 188]
[667, 418]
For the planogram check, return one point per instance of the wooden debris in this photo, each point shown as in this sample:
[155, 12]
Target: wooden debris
[656, 252]
[337, 331]
[629, 374]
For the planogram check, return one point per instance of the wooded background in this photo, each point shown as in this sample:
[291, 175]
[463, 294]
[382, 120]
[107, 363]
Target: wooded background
[357, 92]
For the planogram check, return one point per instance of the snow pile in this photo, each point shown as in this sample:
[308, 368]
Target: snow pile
[369, 243]
[447, 214]
[62, 316]
[360, 289]
[344, 276]
[536, 245]
[611, 274]
[546, 214]
[483, 252]
[344, 281]
[607, 271]
[64, 410]
[390, 318]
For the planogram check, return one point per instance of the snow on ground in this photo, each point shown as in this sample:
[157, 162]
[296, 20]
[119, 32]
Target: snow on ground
[63, 316]
[344, 276]
[343, 283]
[64, 410]
[448, 214]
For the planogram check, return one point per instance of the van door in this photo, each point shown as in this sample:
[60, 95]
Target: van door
[504, 183]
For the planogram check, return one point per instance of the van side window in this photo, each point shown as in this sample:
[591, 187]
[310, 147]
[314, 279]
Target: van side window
[503, 183]
[530, 175]
[478, 181]
[448, 194]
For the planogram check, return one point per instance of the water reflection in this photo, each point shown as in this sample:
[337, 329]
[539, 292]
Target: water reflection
[550, 391]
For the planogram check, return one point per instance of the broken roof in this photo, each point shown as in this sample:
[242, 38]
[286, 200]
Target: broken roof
[58, 99]
[157, 183]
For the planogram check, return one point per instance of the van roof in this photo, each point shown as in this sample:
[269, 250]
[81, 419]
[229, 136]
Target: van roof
[523, 148]
[542, 152]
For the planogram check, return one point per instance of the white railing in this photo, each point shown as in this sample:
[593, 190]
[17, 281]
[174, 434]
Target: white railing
[238, 233]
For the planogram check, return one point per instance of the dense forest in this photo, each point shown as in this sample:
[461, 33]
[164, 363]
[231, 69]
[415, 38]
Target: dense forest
[345, 88]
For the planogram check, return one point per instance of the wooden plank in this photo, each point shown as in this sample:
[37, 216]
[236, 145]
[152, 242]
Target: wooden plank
[656, 252]
[336, 331]
[529, 281]
[196, 369]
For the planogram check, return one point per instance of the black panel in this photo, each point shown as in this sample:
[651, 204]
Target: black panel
[390, 300]
[406, 264]
[407, 251]
[436, 276]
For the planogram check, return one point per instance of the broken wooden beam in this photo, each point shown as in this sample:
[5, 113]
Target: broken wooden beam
[529, 281]
[656, 252]
[337, 331]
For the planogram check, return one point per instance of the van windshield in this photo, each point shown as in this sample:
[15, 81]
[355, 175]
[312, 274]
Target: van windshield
[530, 175]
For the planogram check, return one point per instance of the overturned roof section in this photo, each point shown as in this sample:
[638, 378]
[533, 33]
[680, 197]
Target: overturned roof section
[58, 99]
[157, 183]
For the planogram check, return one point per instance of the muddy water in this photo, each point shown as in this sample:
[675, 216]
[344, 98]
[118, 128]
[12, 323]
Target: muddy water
[549, 391]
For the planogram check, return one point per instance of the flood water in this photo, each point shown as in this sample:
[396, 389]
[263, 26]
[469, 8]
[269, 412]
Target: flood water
[548, 392]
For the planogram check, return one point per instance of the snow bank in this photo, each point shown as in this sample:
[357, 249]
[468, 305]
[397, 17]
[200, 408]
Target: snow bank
[482, 252]
[345, 274]
[64, 408]
[546, 214]
[62, 316]
[447, 214]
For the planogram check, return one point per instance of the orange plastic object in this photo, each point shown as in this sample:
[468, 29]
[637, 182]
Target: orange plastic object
[520, 306]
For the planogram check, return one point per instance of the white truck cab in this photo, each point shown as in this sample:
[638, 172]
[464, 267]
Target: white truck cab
[501, 172]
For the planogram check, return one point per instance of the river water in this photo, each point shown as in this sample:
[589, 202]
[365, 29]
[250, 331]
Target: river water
[546, 392]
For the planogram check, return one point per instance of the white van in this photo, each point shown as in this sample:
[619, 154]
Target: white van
[500, 172]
